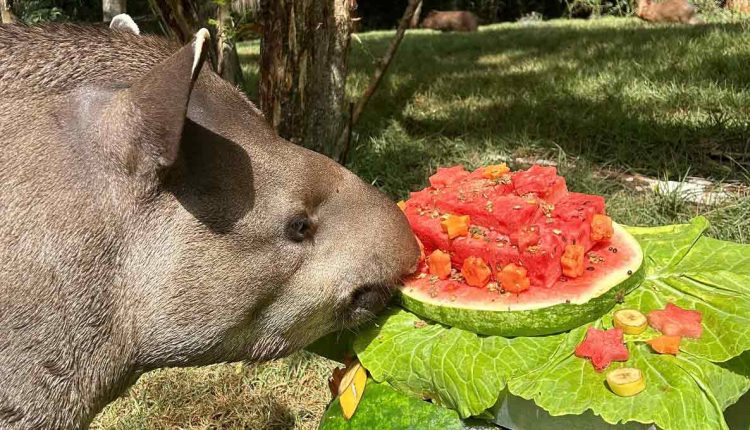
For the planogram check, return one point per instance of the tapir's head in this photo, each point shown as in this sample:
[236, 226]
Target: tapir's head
[430, 21]
[242, 245]
[642, 8]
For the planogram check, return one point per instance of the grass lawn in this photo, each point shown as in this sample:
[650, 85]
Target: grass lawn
[602, 96]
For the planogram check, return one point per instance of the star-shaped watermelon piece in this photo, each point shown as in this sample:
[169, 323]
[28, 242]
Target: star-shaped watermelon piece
[602, 347]
[675, 321]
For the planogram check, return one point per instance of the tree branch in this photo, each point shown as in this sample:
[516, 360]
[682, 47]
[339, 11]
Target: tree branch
[377, 76]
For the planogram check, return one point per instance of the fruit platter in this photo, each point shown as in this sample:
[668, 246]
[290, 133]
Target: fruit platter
[532, 309]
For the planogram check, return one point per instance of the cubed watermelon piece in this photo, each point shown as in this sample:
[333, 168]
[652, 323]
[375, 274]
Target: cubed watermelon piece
[542, 261]
[578, 207]
[512, 213]
[490, 246]
[423, 199]
[472, 197]
[569, 232]
[447, 175]
[473, 205]
[425, 223]
[541, 181]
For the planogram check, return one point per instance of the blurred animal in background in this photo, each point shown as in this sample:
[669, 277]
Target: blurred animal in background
[678, 11]
[739, 6]
[451, 21]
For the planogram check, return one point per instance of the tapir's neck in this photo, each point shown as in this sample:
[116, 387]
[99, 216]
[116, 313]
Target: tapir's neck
[61, 369]
[65, 390]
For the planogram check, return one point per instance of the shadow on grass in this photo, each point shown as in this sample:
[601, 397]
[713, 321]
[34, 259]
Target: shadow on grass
[659, 100]
[651, 98]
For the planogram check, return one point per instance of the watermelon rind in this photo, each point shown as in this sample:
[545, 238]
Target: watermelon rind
[550, 316]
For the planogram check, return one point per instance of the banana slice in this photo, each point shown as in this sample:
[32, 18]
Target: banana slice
[351, 389]
[630, 321]
[626, 381]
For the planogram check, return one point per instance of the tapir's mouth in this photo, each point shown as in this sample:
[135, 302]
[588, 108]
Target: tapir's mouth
[366, 302]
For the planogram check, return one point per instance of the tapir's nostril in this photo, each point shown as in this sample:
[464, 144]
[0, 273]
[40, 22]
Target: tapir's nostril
[371, 297]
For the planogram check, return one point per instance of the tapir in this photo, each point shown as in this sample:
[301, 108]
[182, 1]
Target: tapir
[451, 21]
[676, 11]
[150, 217]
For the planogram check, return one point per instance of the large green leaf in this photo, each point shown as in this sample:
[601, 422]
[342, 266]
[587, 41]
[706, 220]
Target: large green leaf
[453, 367]
[382, 407]
[681, 392]
[696, 272]
[738, 415]
[516, 413]
[467, 372]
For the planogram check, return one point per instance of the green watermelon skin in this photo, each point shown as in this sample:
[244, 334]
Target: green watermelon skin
[536, 322]
[537, 311]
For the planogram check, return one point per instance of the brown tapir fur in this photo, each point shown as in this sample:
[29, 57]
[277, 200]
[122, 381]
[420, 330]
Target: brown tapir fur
[677, 11]
[150, 217]
[451, 21]
[739, 6]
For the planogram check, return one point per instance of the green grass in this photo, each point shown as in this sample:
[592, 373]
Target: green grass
[652, 99]
[285, 394]
[597, 96]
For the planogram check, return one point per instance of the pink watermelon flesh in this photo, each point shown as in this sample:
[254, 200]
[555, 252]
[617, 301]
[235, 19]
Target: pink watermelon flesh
[675, 321]
[562, 291]
[602, 347]
[447, 175]
[540, 181]
[542, 261]
[427, 229]
[494, 248]
[525, 218]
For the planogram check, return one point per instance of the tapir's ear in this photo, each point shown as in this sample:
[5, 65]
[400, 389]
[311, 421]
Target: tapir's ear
[161, 99]
[124, 22]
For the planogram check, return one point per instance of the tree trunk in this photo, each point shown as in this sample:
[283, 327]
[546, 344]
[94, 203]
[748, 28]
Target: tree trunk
[181, 19]
[6, 15]
[303, 69]
[111, 8]
[227, 60]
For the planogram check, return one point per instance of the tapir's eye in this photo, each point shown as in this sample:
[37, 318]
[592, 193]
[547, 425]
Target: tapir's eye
[299, 228]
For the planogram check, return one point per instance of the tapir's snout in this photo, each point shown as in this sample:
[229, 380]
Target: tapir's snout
[384, 252]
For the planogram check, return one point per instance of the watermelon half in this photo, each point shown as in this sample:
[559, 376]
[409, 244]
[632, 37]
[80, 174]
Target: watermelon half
[531, 223]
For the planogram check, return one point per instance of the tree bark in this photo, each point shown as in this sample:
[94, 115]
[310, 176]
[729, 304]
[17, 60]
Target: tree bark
[303, 69]
[6, 15]
[181, 19]
[227, 60]
[111, 8]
